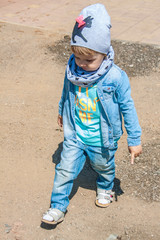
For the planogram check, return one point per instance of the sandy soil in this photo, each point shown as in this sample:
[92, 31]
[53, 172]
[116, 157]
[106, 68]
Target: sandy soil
[31, 79]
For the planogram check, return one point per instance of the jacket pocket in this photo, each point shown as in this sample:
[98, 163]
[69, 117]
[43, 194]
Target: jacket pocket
[108, 92]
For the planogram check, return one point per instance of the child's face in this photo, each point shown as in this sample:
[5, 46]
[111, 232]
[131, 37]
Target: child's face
[89, 62]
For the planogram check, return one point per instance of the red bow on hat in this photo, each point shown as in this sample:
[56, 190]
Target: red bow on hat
[80, 21]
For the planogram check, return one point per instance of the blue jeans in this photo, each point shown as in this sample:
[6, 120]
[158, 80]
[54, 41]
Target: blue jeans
[73, 158]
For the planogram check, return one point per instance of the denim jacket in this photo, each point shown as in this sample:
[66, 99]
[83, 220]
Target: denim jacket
[114, 93]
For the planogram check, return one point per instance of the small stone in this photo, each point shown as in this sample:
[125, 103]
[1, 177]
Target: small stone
[8, 228]
[113, 237]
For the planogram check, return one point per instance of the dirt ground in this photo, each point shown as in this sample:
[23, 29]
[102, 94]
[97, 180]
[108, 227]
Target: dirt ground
[31, 79]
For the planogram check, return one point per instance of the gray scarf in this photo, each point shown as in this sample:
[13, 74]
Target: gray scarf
[85, 79]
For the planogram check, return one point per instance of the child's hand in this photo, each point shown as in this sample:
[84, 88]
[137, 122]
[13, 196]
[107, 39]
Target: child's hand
[135, 152]
[60, 120]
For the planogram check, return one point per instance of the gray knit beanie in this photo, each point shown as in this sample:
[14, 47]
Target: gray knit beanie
[92, 29]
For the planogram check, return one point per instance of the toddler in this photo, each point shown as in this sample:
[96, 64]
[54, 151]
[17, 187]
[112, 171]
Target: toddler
[95, 96]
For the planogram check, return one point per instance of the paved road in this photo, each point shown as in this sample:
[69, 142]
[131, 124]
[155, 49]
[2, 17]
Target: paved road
[137, 20]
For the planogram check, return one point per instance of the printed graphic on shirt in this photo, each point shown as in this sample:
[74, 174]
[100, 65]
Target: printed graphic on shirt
[87, 115]
[86, 106]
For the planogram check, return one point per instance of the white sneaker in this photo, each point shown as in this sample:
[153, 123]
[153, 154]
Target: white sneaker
[104, 197]
[53, 216]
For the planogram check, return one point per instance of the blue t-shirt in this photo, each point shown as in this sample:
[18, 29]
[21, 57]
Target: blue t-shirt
[87, 115]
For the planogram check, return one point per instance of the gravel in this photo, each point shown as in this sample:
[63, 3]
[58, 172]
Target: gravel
[142, 179]
[137, 59]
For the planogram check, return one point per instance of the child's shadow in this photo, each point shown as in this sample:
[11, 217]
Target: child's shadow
[87, 177]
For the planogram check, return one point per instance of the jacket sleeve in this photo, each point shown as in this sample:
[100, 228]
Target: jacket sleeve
[62, 100]
[128, 111]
